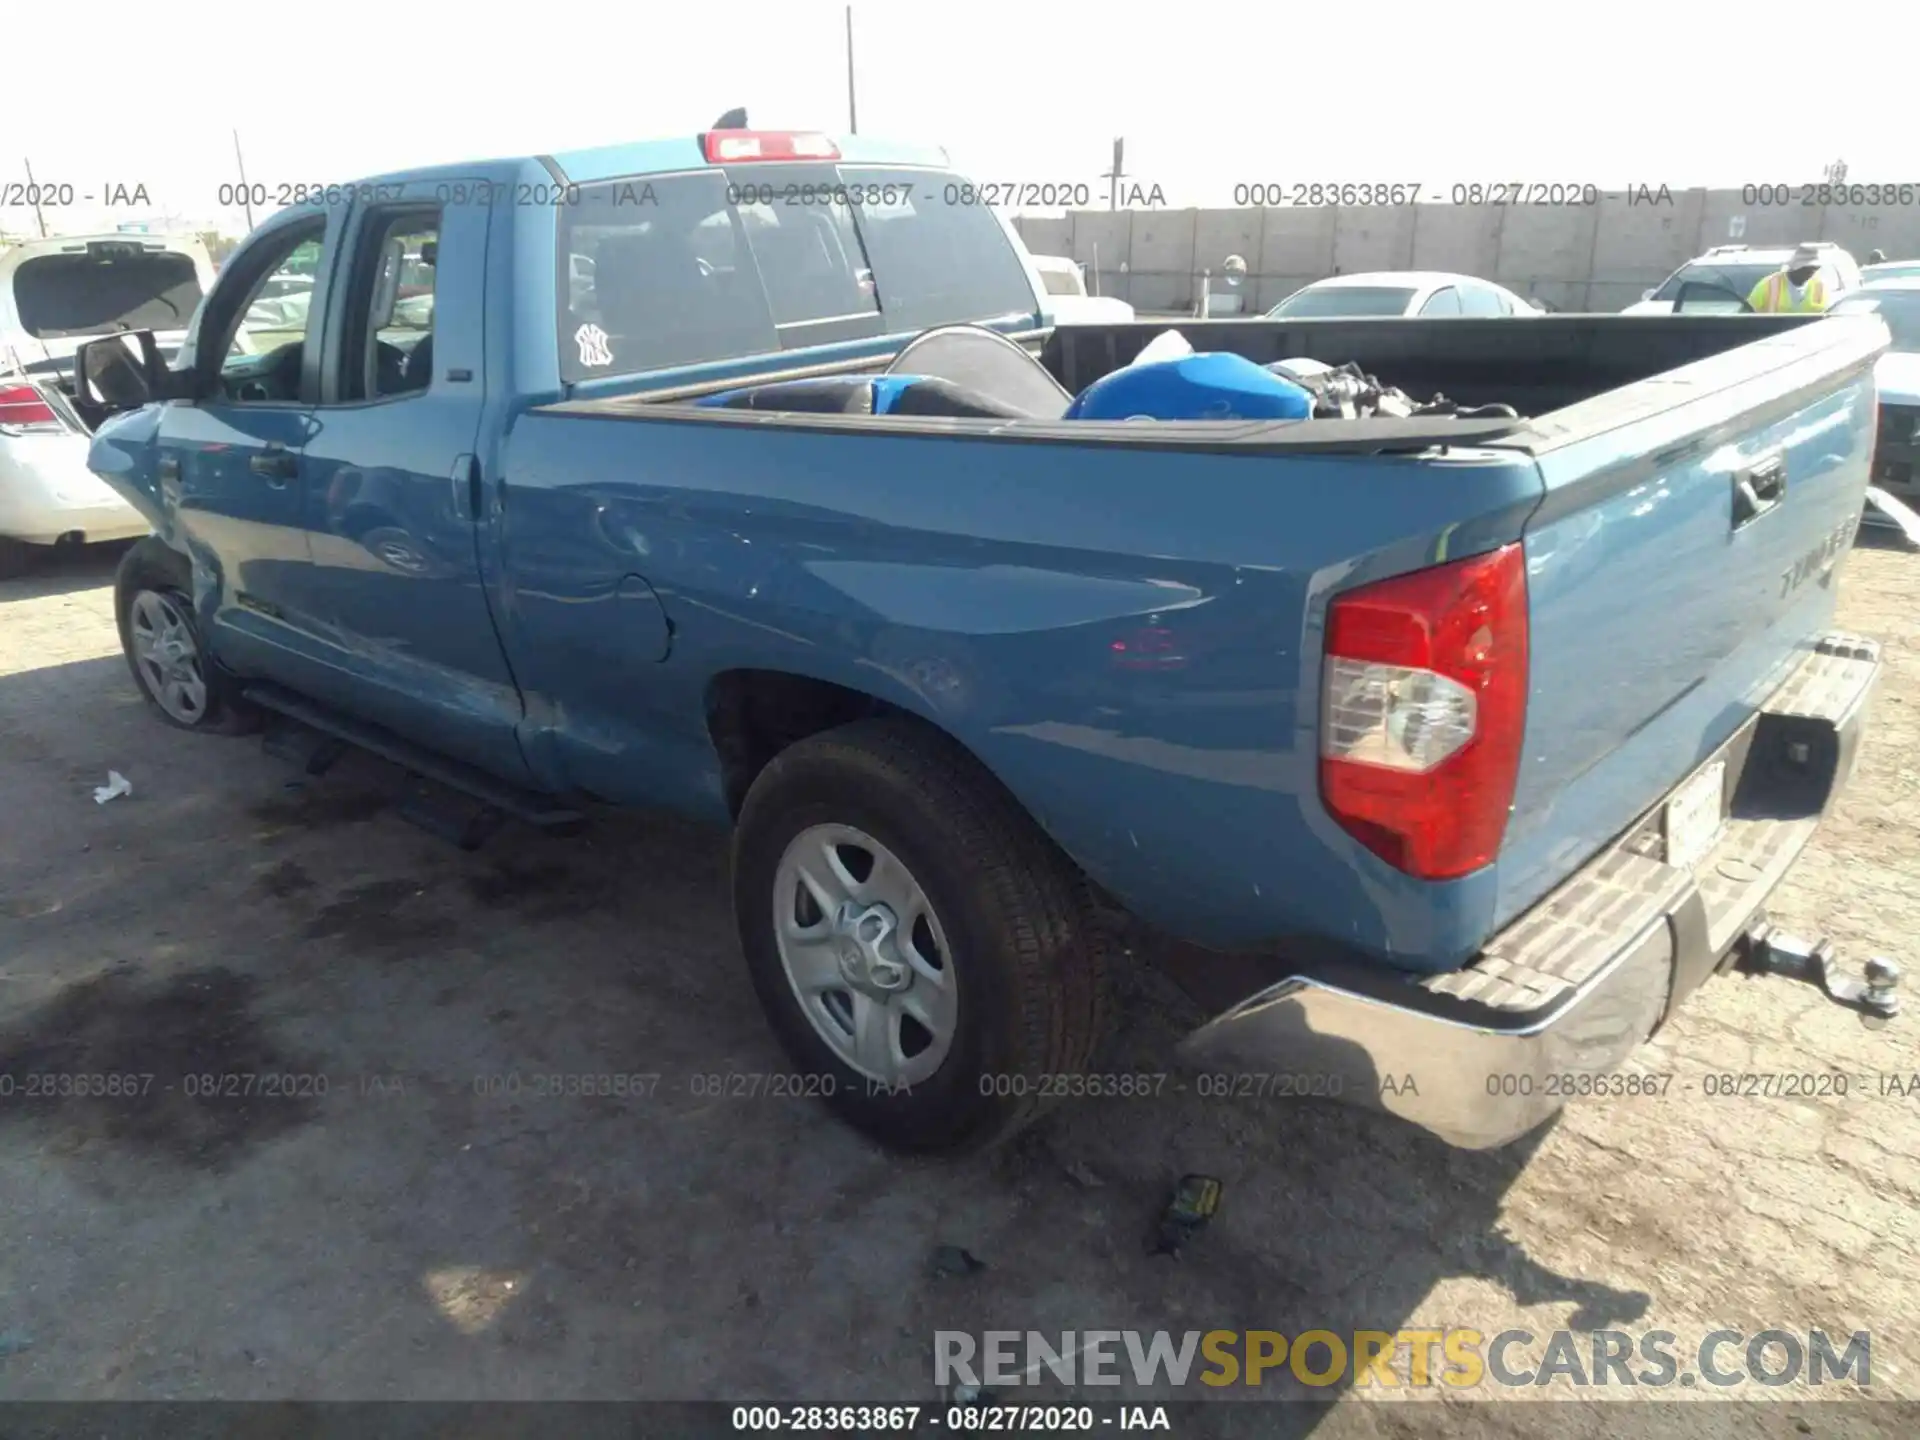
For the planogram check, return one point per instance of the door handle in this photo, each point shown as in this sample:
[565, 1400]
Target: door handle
[1758, 489]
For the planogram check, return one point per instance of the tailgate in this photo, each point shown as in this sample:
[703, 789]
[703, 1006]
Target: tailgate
[1683, 559]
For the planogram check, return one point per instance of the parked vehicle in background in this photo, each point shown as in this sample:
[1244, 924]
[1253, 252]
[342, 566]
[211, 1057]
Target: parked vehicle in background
[1890, 270]
[1400, 292]
[1442, 720]
[1066, 299]
[1896, 376]
[55, 295]
[1737, 269]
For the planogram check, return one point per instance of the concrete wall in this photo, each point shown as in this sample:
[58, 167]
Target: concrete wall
[1593, 257]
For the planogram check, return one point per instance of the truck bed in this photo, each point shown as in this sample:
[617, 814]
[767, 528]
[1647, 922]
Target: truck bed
[1536, 365]
[1125, 621]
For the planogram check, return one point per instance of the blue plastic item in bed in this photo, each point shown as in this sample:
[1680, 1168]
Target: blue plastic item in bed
[1210, 386]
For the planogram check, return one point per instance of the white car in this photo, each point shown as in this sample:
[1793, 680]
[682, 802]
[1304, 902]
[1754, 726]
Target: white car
[1401, 292]
[1067, 300]
[1896, 375]
[54, 296]
[1737, 269]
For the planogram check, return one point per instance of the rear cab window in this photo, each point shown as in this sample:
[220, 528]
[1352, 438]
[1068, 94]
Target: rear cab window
[669, 270]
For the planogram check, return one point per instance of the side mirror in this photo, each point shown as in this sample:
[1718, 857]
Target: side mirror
[121, 372]
[1648, 293]
[1701, 299]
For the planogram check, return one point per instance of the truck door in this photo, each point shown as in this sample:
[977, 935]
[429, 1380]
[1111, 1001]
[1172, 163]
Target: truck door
[390, 508]
[232, 462]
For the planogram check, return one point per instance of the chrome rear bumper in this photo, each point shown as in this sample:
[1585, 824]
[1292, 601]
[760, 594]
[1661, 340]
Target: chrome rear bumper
[1481, 1055]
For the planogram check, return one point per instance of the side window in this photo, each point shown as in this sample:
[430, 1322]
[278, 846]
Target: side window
[277, 316]
[1442, 302]
[387, 347]
[1059, 282]
[1481, 300]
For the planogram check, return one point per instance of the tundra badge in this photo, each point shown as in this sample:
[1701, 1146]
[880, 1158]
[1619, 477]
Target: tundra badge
[1817, 561]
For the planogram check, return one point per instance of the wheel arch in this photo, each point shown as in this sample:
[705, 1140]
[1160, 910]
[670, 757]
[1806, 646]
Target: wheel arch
[754, 713]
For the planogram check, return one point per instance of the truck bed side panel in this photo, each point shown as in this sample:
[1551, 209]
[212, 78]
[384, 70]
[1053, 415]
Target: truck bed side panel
[1130, 640]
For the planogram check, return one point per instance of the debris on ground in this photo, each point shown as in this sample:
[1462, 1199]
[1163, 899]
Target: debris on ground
[1194, 1201]
[952, 1260]
[117, 784]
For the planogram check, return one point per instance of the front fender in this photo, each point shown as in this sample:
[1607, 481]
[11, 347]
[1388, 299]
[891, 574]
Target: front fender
[123, 454]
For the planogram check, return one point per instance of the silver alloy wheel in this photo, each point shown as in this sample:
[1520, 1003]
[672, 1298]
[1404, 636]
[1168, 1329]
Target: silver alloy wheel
[168, 657]
[865, 954]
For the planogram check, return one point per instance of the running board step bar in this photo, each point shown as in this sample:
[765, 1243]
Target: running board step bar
[524, 805]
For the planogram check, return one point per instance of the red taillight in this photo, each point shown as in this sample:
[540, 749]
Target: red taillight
[24, 407]
[724, 146]
[1423, 709]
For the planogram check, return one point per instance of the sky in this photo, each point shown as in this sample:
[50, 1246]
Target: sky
[1207, 97]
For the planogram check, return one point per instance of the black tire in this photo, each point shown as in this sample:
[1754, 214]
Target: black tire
[16, 557]
[1029, 955]
[153, 565]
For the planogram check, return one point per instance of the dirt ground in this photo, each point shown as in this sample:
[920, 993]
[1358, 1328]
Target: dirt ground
[413, 1232]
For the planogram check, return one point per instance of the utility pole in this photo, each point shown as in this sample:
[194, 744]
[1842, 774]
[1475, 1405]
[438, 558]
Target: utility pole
[33, 190]
[853, 118]
[1116, 175]
[246, 195]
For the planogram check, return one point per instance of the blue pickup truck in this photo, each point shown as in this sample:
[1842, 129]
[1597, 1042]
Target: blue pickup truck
[1467, 740]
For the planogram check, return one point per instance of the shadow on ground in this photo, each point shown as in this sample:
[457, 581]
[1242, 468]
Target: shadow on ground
[546, 1085]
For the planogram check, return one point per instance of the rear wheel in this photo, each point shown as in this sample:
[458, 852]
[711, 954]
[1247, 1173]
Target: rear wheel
[163, 645]
[926, 956]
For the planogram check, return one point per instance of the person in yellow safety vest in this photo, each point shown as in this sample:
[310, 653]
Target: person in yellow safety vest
[1797, 287]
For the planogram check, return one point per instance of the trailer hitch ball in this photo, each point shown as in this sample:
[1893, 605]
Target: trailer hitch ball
[1883, 986]
[1875, 995]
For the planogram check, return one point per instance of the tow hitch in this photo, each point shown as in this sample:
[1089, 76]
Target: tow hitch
[1875, 993]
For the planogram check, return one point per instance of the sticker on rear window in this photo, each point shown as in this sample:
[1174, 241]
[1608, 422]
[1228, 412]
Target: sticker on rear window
[592, 341]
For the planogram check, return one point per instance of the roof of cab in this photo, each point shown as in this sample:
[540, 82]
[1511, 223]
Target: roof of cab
[640, 158]
[658, 157]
